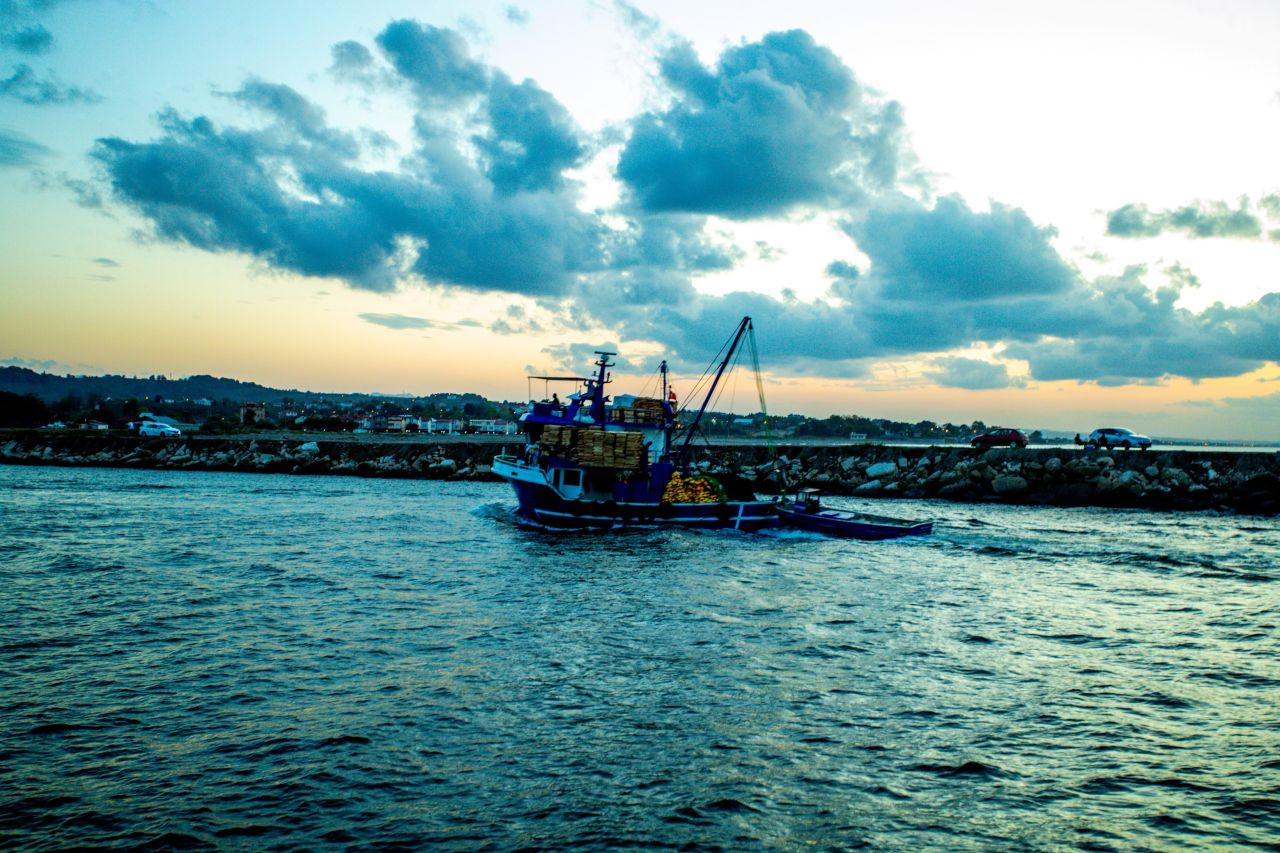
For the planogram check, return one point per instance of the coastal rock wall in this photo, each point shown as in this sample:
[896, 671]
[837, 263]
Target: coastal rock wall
[371, 458]
[1244, 482]
[1178, 480]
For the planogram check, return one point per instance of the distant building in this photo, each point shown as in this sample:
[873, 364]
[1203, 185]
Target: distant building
[252, 413]
[448, 427]
[401, 423]
[491, 426]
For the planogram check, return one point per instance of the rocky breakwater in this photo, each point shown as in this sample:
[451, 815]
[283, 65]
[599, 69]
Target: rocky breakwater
[1160, 480]
[1171, 480]
[419, 459]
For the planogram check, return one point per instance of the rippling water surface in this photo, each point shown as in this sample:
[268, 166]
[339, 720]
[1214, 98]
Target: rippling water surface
[274, 662]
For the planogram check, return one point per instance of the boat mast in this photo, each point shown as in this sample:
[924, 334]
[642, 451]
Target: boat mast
[667, 422]
[597, 389]
[683, 459]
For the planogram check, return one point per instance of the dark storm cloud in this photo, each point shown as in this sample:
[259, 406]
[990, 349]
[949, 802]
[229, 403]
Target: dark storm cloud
[970, 374]
[33, 40]
[297, 116]
[17, 150]
[532, 139]
[221, 191]
[435, 61]
[670, 243]
[951, 253]
[480, 201]
[21, 28]
[224, 191]
[1166, 341]
[778, 124]
[801, 337]
[947, 277]
[26, 85]
[1203, 220]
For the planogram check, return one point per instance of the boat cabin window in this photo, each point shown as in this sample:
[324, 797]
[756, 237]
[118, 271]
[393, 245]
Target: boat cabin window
[571, 477]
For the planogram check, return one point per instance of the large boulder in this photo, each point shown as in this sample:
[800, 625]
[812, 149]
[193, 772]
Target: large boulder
[1008, 485]
[881, 469]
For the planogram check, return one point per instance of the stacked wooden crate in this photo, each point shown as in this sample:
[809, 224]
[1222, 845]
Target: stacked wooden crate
[602, 449]
[643, 410]
[649, 410]
[558, 438]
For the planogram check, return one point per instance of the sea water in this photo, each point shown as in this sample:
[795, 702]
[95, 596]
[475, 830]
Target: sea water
[242, 661]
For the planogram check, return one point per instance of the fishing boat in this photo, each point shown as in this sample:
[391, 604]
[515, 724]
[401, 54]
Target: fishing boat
[597, 461]
[807, 512]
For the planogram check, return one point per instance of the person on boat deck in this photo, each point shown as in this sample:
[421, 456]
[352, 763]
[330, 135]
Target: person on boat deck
[555, 399]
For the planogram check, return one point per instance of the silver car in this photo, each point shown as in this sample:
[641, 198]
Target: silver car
[1118, 437]
[153, 428]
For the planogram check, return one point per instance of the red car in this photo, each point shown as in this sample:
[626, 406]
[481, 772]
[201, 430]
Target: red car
[1000, 437]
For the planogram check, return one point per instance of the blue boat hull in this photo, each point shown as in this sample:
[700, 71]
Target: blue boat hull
[542, 505]
[852, 525]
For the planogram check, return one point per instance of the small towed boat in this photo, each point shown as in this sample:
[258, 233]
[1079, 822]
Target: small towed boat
[806, 512]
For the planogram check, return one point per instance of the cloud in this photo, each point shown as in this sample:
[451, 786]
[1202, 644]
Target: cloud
[435, 61]
[947, 277]
[296, 116]
[222, 191]
[574, 358]
[669, 243]
[1202, 220]
[644, 26]
[515, 322]
[402, 321]
[486, 211]
[1148, 339]
[18, 150]
[1263, 409]
[516, 15]
[33, 39]
[37, 364]
[483, 199]
[971, 374]
[86, 193]
[531, 140]
[397, 321]
[951, 253]
[21, 28]
[23, 84]
[106, 262]
[351, 59]
[777, 125]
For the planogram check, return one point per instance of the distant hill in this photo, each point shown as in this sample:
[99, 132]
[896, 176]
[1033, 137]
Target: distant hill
[51, 388]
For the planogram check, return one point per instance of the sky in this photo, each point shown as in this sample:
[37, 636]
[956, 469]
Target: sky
[1045, 215]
